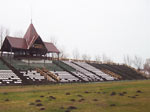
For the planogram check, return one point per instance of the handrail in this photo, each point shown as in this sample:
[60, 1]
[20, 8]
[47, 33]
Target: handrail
[56, 78]
[44, 74]
[112, 74]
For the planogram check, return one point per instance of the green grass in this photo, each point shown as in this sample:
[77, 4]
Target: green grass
[20, 97]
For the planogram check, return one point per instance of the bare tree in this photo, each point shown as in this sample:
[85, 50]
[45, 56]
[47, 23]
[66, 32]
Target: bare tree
[147, 65]
[138, 62]
[53, 40]
[86, 57]
[7, 32]
[106, 59]
[127, 60]
[76, 54]
[3, 33]
[63, 53]
[98, 58]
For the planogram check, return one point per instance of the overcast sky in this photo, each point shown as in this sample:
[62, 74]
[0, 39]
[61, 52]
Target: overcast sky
[95, 27]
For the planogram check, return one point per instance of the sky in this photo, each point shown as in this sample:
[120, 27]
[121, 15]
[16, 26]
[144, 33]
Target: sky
[93, 27]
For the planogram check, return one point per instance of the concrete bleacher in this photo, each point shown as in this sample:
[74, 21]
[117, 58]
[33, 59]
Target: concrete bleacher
[72, 71]
[95, 70]
[32, 64]
[33, 75]
[3, 66]
[125, 72]
[25, 72]
[86, 73]
[8, 77]
[109, 67]
[18, 64]
[82, 76]
[65, 76]
[129, 71]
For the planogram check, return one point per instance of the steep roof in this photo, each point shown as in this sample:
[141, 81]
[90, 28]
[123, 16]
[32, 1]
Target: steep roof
[50, 47]
[30, 36]
[28, 40]
[19, 43]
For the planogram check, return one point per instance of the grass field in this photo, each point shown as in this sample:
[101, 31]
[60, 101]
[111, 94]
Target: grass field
[127, 96]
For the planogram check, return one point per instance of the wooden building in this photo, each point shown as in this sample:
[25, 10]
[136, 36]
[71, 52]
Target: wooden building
[31, 45]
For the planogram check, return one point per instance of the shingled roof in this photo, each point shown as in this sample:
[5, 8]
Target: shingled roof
[19, 43]
[28, 40]
[51, 47]
[30, 36]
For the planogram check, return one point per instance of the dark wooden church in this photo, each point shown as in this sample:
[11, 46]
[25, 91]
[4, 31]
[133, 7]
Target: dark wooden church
[31, 45]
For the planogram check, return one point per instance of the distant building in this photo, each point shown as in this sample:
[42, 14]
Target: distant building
[30, 45]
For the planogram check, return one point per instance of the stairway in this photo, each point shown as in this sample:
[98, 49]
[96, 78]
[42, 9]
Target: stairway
[20, 75]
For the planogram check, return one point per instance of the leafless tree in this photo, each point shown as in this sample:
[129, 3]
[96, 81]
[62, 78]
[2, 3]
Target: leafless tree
[3, 33]
[106, 59]
[138, 62]
[86, 57]
[147, 65]
[127, 60]
[76, 54]
[63, 53]
[98, 58]
[53, 40]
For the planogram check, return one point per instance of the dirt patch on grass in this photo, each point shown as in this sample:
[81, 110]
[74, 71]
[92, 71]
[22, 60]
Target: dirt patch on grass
[73, 100]
[52, 97]
[112, 105]
[79, 95]
[37, 100]
[39, 104]
[95, 99]
[6, 100]
[82, 99]
[42, 108]
[31, 103]
[67, 93]
[113, 93]
[139, 91]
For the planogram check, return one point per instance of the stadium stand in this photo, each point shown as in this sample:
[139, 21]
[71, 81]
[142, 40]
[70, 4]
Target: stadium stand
[65, 76]
[32, 64]
[90, 75]
[3, 66]
[130, 71]
[16, 71]
[125, 72]
[47, 77]
[8, 77]
[34, 76]
[94, 70]
[71, 71]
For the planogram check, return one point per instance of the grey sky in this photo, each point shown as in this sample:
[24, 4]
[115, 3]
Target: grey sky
[94, 27]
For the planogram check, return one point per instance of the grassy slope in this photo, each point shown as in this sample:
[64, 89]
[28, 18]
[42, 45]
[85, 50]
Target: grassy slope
[20, 97]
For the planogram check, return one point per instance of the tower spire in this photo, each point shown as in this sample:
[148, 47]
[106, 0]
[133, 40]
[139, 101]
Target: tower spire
[31, 13]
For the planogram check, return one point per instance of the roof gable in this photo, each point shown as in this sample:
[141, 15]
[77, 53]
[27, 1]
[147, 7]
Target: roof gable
[51, 47]
[38, 42]
[31, 35]
[19, 43]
